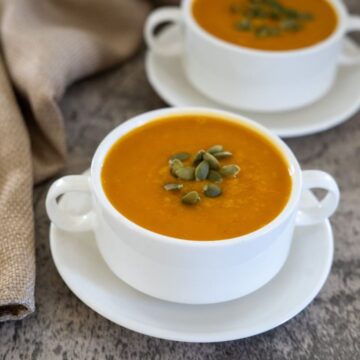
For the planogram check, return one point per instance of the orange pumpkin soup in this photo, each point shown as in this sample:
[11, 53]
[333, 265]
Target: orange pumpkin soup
[136, 169]
[267, 24]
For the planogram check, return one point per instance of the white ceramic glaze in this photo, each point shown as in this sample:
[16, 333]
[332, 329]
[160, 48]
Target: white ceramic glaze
[167, 77]
[77, 258]
[192, 272]
[254, 80]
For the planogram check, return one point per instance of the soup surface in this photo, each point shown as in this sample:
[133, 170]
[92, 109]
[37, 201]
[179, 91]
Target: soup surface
[136, 168]
[254, 24]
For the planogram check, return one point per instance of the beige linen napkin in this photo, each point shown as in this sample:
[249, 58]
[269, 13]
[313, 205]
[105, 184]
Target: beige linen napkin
[46, 45]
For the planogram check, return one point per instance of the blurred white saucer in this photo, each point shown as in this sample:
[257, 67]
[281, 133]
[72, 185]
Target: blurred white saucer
[168, 79]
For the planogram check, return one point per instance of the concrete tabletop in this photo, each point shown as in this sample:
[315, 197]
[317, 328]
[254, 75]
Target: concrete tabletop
[65, 328]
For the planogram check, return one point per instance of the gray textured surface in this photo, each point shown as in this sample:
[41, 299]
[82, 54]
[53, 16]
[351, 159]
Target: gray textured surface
[64, 328]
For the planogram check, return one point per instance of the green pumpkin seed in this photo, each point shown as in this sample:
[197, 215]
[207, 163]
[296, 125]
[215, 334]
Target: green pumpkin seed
[253, 11]
[198, 157]
[180, 156]
[191, 198]
[173, 187]
[275, 15]
[275, 5]
[291, 13]
[185, 173]
[283, 18]
[290, 25]
[175, 165]
[212, 190]
[215, 176]
[211, 159]
[223, 155]
[215, 149]
[263, 31]
[202, 171]
[243, 25]
[206, 167]
[230, 170]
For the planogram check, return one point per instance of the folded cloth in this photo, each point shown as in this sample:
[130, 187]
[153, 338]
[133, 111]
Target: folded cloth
[17, 266]
[46, 45]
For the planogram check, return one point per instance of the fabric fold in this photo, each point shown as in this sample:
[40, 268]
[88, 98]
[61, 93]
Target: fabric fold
[46, 46]
[17, 258]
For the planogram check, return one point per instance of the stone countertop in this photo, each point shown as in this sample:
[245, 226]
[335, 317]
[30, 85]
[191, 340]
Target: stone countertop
[64, 328]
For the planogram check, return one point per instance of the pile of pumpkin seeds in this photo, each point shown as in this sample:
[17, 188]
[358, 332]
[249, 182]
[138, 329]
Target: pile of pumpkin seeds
[268, 18]
[203, 166]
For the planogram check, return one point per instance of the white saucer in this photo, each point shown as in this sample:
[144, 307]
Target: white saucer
[169, 81]
[82, 268]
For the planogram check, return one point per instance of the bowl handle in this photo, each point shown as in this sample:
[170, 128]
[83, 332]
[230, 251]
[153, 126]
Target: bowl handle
[62, 219]
[158, 17]
[348, 57]
[315, 214]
